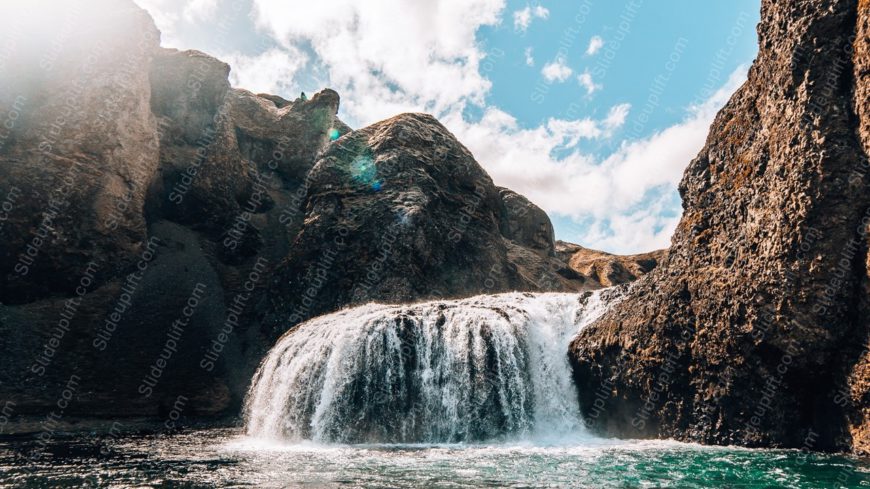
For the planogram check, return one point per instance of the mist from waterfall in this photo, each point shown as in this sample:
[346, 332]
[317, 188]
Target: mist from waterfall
[490, 367]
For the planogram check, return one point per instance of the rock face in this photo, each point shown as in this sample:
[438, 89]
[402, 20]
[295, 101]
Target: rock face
[605, 268]
[753, 329]
[400, 211]
[160, 229]
[142, 216]
[82, 142]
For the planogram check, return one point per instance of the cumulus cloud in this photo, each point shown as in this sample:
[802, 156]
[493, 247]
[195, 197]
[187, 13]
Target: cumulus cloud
[556, 71]
[530, 60]
[648, 228]
[200, 10]
[523, 18]
[428, 62]
[629, 196]
[595, 44]
[533, 161]
[272, 71]
[585, 80]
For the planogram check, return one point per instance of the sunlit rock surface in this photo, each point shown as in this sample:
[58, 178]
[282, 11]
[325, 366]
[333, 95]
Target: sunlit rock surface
[753, 329]
[400, 211]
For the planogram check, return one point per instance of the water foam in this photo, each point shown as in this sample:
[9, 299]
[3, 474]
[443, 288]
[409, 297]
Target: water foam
[489, 367]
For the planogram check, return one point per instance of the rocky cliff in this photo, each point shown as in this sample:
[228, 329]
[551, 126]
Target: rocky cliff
[138, 187]
[606, 268]
[753, 331]
[160, 229]
[400, 211]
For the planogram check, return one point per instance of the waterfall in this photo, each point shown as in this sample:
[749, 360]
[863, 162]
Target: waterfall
[483, 368]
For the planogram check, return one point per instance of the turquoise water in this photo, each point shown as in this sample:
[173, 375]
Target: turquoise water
[225, 458]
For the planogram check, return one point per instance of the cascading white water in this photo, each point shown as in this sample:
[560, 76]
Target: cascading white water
[446, 371]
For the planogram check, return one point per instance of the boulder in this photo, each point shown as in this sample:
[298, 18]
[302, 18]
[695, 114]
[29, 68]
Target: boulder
[400, 211]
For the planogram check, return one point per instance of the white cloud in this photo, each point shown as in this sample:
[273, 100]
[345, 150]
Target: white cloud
[569, 133]
[533, 161]
[169, 14]
[586, 82]
[626, 194]
[556, 70]
[428, 62]
[523, 18]
[166, 15]
[530, 60]
[200, 10]
[595, 44]
[616, 116]
[649, 228]
[661, 159]
[272, 71]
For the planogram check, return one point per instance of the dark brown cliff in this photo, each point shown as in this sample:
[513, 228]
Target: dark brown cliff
[753, 329]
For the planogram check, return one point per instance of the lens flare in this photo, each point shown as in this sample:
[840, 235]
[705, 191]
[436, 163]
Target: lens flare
[363, 169]
[334, 134]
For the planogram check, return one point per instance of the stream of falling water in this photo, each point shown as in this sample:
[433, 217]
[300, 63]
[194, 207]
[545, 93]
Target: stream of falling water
[491, 367]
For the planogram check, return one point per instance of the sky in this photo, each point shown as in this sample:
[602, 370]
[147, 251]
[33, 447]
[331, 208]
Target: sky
[590, 108]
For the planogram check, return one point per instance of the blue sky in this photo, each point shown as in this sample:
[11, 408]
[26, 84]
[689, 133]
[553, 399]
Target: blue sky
[591, 108]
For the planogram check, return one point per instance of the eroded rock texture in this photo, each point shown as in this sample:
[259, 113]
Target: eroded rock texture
[606, 268]
[400, 211]
[82, 138]
[751, 331]
[147, 204]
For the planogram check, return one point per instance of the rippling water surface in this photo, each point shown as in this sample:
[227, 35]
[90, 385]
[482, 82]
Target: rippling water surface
[226, 458]
[488, 374]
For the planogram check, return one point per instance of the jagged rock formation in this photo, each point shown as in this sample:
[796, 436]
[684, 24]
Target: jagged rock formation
[606, 268]
[753, 330]
[400, 211]
[160, 229]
